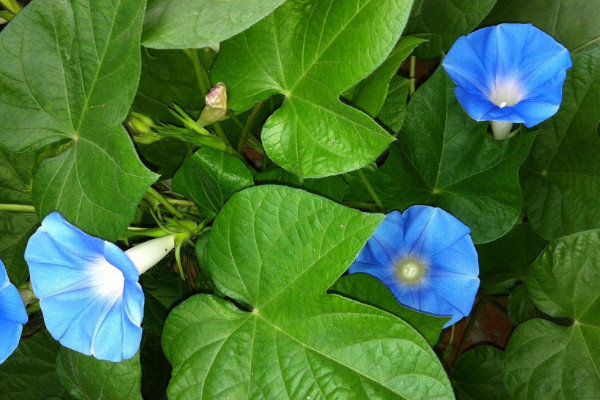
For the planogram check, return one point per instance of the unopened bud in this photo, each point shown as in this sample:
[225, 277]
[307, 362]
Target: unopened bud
[140, 123]
[216, 105]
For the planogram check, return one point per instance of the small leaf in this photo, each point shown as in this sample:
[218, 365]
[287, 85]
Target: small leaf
[329, 46]
[277, 250]
[477, 375]
[30, 372]
[520, 307]
[87, 378]
[210, 177]
[88, 52]
[557, 361]
[445, 21]
[394, 108]
[561, 177]
[372, 92]
[199, 23]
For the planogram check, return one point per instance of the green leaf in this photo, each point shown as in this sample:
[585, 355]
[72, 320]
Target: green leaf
[168, 77]
[67, 77]
[520, 307]
[210, 177]
[561, 178]
[87, 378]
[311, 51]
[444, 158]
[17, 226]
[394, 108]
[477, 375]
[332, 187]
[278, 250]
[198, 23]
[372, 92]
[572, 23]
[504, 262]
[546, 360]
[156, 370]
[30, 372]
[370, 290]
[445, 21]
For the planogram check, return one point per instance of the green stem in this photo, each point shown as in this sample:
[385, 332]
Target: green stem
[8, 16]
[469, 328]
[235, 119]
[413, 65]
[17, 207]
[370, 189]
[248, 126]
[201, 75]
[11, 5]
[158, 197]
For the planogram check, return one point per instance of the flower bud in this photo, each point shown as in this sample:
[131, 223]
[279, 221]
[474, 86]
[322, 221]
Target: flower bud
[216, 105]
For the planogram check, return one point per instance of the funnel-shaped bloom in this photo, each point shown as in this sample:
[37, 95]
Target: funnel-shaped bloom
[427, 259]
[88, 289]
[508, 73]
[12, 315]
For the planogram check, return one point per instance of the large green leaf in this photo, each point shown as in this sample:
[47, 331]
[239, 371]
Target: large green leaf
[68, 75]
[179, 24]
[311, 51]
[572, 23]
[277, 250]
[15, 226]
[87, 378]
[30, 372]
[549, 361]
[445, 21]
[210, 177]
[444, 158]
[561, 178]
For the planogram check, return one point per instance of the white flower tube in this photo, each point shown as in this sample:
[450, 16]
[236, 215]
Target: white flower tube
[147, 254]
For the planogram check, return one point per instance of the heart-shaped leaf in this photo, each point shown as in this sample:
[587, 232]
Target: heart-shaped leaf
[68, 75]
[277, 250]
[546, 360]
[311, 51]
[561, 177]
[198, 23]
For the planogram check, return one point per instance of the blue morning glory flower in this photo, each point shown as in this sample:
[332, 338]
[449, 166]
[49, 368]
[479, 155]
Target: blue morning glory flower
[12, 315]
[427, 259]
[88, 288]
[508, 73]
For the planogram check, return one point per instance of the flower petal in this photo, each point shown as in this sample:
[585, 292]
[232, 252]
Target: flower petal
[81, 282]
[12, 315]
[509, 72]
[429, 230]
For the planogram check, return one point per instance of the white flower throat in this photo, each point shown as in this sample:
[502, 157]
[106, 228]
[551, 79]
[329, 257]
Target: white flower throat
[410, 270]
[506, 92]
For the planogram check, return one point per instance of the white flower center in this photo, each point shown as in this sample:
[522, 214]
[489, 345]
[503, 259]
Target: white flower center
[107, 280]
[507, 92]
[410, 270]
